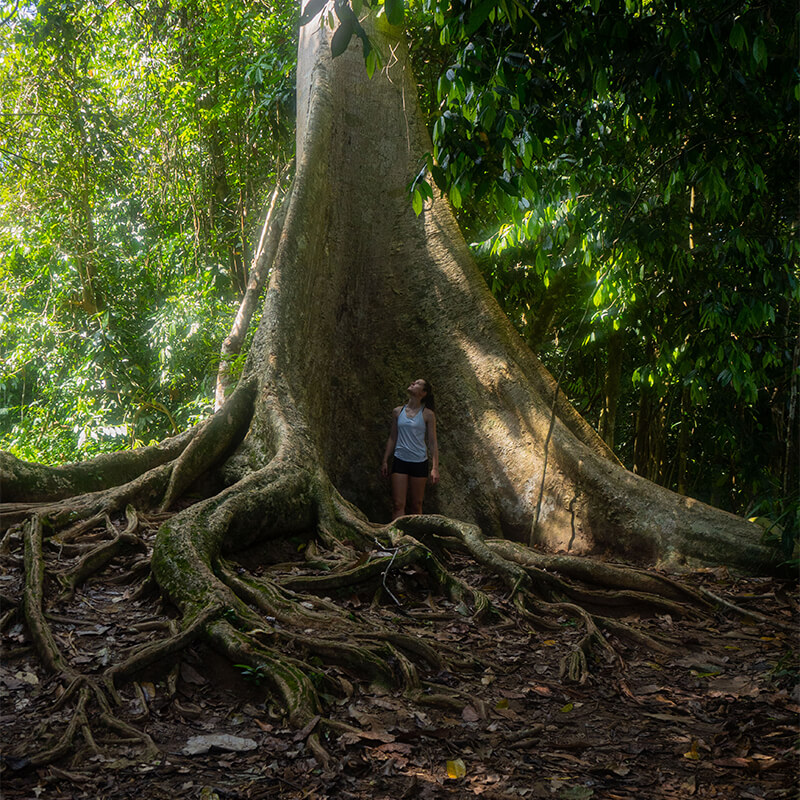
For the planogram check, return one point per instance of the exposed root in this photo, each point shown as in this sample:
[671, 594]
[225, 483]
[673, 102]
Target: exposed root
[54, 661]
[279, 627]
[215, 437]
[144, 491]
[369, 573]
[288, 679]
[150, 748]
[575, 666]
[64, 744]
[24, 482]
[40, 631]
[410, 644]
[598, 573]
[97, 558]
[162, 649]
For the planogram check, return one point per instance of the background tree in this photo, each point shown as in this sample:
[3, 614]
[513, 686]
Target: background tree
[139, 148]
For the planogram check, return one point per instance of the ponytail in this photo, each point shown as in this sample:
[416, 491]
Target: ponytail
[430, 403]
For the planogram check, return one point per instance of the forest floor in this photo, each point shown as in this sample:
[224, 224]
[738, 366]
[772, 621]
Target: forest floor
[718, 719]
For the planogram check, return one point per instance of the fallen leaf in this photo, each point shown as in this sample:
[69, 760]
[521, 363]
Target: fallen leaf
[456, 769]
[576, 792]
[191, 675]
[693, 752]
[668, 717]
[306, 729]
[742, 763]
[567, 708]
[469, 714]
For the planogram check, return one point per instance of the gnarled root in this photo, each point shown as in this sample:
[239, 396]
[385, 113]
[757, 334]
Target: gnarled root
[54, 661]
[287, 625]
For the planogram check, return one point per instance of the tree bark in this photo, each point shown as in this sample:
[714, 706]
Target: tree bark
[257, 277]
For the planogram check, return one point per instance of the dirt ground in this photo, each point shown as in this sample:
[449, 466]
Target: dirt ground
[716, 718]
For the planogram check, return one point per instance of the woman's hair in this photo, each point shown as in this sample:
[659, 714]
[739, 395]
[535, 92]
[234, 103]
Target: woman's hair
[428, 399]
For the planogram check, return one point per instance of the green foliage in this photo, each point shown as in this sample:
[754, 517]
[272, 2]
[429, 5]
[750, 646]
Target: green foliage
[258, 675]
[622, 168]
[137, 155]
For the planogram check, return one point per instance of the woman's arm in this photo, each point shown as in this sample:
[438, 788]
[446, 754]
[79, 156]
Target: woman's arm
[391, 442]
[433, 444]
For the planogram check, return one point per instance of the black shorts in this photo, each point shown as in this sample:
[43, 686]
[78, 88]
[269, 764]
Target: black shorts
[414, 469]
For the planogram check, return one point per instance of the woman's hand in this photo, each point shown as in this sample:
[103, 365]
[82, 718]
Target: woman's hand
[385, 469]
[433, 477]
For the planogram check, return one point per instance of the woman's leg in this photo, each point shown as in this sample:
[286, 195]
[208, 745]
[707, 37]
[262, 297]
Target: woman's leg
[416, 493]
[399, 492]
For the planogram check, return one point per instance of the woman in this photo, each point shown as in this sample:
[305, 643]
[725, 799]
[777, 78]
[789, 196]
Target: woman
[412, 424]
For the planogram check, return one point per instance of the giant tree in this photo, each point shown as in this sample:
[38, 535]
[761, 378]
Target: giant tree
[364, 294]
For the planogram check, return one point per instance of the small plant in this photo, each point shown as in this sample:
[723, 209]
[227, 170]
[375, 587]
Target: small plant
[781, 523]
[255, 674]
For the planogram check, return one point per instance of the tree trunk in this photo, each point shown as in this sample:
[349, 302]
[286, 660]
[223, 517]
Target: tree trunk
[365, 296]
[608, 414]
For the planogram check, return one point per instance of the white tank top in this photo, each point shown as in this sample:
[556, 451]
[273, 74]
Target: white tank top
[410, 444]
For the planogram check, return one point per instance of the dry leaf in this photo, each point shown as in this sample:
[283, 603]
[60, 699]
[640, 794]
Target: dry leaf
[693, 753]
[456, 769]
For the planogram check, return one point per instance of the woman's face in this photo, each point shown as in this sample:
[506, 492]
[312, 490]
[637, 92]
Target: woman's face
[417, 388]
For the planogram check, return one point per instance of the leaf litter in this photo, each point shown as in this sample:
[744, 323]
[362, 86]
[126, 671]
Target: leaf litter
[718, 720]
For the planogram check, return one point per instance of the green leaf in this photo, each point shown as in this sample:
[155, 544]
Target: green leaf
[738, 37]
[478, 16]
[455, 196]
[395, 11]
[760, 51]
[416, 202]
[312, 8]
[508, 187]
[601, 83]
[342, 36]
[372, 61]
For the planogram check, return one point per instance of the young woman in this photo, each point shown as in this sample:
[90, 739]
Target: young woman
[412, 425]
